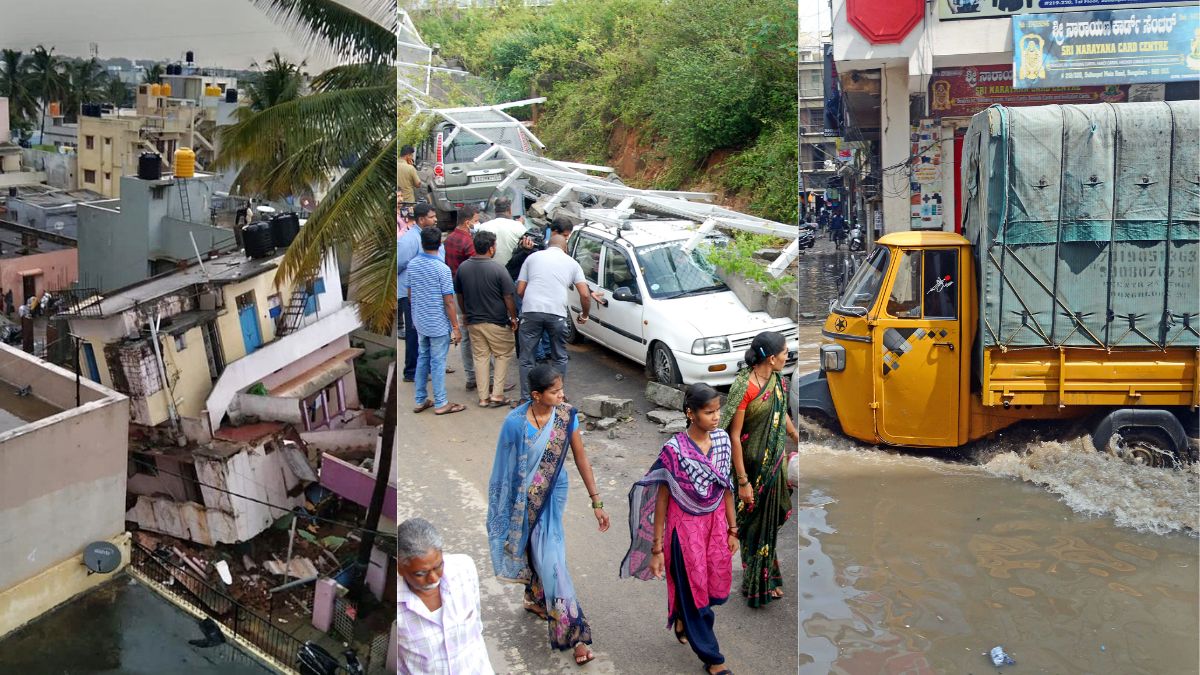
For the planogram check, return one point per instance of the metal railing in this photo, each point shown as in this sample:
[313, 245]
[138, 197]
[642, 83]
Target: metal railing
[188, 586]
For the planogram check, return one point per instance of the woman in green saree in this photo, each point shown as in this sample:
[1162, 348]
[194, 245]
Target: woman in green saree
[755, 414]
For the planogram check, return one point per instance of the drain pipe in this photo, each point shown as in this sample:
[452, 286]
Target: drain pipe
[162, 373]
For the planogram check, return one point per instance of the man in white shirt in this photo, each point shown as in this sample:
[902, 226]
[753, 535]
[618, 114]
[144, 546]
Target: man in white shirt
[508, 231]
[438, 626]
[545, 279]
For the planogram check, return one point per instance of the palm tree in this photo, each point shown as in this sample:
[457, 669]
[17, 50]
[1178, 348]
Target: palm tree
[280, 82]
[86, 82]
[153, 74]
[46, 78]
[350, 112]
[116, 92]
[15, 86]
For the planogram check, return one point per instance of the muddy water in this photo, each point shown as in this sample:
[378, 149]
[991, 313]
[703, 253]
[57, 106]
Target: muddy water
[817, 274]
[1072, 562]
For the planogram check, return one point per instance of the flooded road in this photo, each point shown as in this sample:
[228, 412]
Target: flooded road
[818, 271]
[1072, 561]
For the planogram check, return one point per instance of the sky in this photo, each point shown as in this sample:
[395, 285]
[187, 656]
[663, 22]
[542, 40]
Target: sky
[222, 33]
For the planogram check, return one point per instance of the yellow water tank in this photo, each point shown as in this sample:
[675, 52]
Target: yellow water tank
[55, 109]
[166, 89]
[185, 163]
[212, 90]
[156, 90]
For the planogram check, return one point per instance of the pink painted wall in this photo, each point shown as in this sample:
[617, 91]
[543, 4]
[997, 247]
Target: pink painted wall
[59, 270]
[354, 484]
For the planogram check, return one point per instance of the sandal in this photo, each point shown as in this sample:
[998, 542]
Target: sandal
[587, 655]
[537, 611]
[493, 403]
[423, 407]
[679, 632]
[450, 409]
[776, 593]
[723, 671]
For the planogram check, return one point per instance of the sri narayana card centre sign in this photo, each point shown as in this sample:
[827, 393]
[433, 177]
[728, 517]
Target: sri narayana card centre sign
[1106, 47]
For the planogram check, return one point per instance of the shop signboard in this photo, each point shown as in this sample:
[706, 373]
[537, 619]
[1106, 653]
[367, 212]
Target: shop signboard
[964, 91]
[991, 9]
[1106, 47]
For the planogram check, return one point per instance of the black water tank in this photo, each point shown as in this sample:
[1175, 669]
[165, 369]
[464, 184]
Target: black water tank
[191, 58]
[284, 228]
[90, 109]
[231, 95]
[257, 237]
[149, 166]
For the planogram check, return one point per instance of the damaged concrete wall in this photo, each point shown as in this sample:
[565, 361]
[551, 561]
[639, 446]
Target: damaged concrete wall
[266, 408]
[226, 518]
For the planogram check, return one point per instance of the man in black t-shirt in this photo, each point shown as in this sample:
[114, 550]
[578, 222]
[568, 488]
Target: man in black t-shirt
[487, 299]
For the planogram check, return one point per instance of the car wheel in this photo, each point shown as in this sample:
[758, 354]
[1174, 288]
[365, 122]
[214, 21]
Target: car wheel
[662, 365]
[446, 220]
[572, 334]
[1148, 447]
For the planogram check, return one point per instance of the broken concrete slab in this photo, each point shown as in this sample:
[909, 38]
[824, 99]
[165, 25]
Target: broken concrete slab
[674, 427]
[606, 423]
[600, 406]
[664, 396]
[301, 568]
[665, 416]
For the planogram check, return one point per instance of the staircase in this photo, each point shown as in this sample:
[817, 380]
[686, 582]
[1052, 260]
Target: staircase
[293, 315]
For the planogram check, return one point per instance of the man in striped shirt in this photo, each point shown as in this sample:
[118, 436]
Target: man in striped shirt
[430, 291]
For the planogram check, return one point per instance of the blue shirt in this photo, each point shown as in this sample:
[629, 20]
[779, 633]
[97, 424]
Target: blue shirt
[408, 246]
[429, 281]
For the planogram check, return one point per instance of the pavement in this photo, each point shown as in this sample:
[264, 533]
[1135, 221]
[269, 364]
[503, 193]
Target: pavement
[444, 464]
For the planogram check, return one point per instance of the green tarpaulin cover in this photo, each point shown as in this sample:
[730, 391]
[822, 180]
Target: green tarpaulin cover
[1085, 221]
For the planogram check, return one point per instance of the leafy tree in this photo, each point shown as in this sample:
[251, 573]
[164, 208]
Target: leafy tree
[345, 126]
[153, 74]
[15, 86]
[47, 78]
[86, 82]
[117, 92]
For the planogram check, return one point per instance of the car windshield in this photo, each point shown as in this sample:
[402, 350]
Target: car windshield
[860, 292]
[671, 273]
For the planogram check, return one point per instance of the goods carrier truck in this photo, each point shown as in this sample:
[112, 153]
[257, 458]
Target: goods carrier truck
[1073, 293]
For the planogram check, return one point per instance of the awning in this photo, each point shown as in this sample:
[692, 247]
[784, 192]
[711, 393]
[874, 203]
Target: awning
[318, 377]
[30, 273]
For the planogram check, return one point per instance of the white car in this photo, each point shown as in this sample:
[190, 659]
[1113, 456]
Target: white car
[665, 308]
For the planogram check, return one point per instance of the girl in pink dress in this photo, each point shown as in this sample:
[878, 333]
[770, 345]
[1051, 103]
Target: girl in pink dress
[682, 524]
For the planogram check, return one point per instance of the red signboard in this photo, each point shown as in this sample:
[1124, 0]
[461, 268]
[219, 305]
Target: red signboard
[962, 92]
[884, 21]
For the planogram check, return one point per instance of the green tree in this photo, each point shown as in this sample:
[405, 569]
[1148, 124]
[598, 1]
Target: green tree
[15, 86]
[116, 92]
[281, 82]
[346, 125]
[46, 79]
[153, 74]
[86, 82]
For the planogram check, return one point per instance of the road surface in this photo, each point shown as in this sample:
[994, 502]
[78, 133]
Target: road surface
[443, 468]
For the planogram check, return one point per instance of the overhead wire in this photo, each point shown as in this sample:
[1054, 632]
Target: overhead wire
[286, 509]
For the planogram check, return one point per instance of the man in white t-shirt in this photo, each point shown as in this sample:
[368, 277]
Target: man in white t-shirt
[439, 630]
[545, 279]
[508, 231]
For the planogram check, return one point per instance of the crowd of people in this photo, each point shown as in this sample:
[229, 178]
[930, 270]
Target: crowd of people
[719, 487]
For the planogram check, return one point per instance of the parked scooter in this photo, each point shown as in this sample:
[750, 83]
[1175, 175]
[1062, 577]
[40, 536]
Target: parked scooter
[807, 237]
[856, 238]
[313, 659]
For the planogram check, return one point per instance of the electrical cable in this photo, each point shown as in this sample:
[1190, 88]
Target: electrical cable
[286, 509]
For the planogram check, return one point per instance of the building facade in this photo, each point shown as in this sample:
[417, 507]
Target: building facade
[62, 483]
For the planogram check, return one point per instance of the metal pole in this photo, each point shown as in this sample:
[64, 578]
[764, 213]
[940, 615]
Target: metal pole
[291, 541]
[383, 473]
[76, 370]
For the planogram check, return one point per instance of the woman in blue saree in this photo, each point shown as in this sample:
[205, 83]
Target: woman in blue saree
[527, 497]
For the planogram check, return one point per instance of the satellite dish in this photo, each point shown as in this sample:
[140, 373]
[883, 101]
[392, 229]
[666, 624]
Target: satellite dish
[102, 557]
